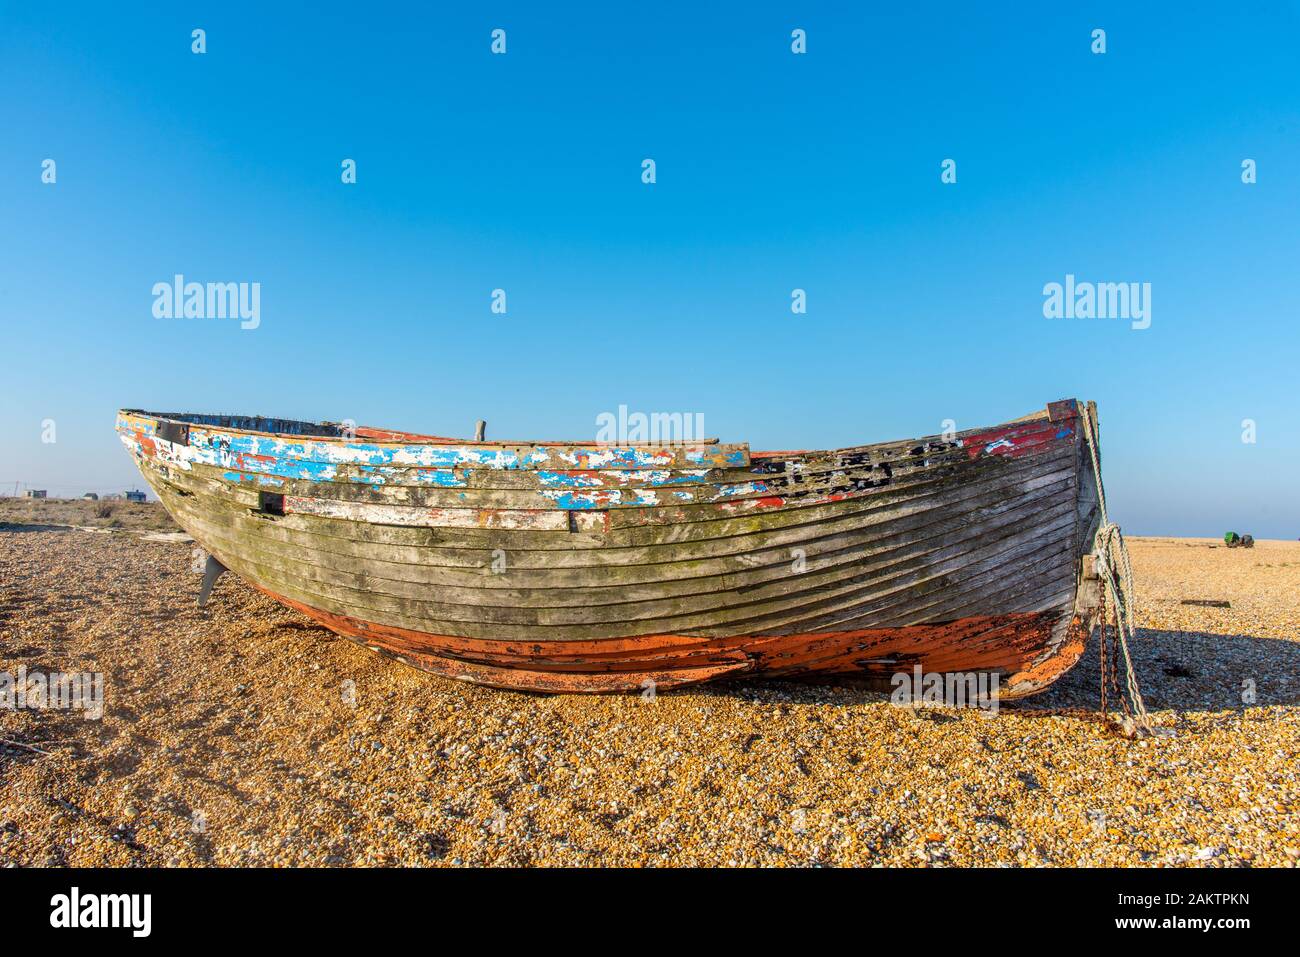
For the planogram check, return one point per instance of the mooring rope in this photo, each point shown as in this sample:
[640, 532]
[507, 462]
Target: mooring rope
[1112, 564]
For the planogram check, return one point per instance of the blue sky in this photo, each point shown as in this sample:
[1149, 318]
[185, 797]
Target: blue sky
[774, 172]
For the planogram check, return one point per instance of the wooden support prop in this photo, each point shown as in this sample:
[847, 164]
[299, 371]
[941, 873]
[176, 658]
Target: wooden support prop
[212, 570]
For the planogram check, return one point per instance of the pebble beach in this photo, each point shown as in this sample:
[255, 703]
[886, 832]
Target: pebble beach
[244, 734]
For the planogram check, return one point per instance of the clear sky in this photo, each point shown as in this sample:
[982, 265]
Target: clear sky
[775, 171]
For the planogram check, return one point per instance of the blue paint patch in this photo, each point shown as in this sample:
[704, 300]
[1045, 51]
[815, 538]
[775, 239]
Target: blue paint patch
[318, 460]
[379, 475]
[662, 477]
[746, 488]
[284, 468]
[584, 501]
[254, 478]
[735, 458]
[135, 424]
[567, 479]
[333, 454]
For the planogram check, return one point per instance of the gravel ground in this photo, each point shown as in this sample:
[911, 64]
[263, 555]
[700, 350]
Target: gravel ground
[245, 735]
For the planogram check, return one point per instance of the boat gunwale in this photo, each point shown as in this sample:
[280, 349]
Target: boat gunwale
[406, 438]
[437, 441]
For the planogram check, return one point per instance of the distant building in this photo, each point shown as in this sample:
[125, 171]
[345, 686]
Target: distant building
[34, 493]
[91, 497]
[135, 495]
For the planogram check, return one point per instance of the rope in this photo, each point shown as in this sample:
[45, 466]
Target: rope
[1112, 564]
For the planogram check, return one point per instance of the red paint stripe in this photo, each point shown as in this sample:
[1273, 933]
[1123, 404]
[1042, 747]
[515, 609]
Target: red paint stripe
[1013, 644]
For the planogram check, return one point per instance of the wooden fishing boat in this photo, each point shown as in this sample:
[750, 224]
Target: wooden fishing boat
[566, 567]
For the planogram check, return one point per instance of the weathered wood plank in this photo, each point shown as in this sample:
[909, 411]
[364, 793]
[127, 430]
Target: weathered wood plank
[914, 533]
[491, 621]
[598, 588]
[722, 537]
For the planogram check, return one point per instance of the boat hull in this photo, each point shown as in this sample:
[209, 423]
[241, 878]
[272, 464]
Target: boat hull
[567, 568]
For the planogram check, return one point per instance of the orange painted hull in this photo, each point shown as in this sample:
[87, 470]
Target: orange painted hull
[1017, 646]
